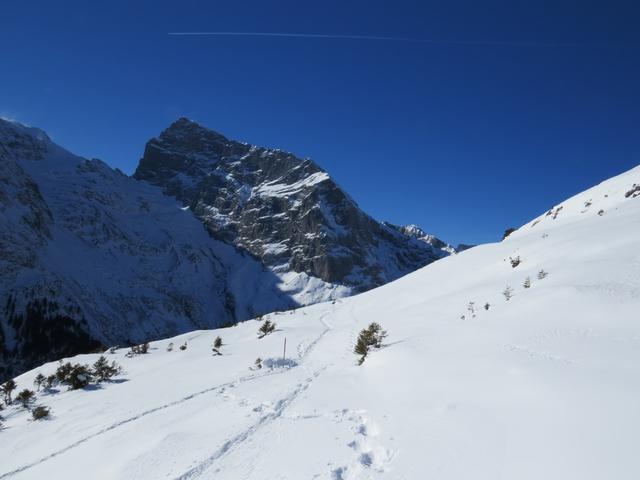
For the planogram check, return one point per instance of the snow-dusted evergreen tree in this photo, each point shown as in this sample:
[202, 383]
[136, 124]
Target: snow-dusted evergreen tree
[75, 376]
[508, 293]
[25, 397]
[217, 343]
[266, 328]
[40, 412]
[39, 381]
[542, 274]
[527, 283]
[7, 388]
[103, 371]
[372, 336]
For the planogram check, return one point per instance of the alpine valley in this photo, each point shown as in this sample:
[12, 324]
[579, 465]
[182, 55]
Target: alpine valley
[512, 360]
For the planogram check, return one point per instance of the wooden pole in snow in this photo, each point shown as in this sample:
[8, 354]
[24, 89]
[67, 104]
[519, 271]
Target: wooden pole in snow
[284, 352]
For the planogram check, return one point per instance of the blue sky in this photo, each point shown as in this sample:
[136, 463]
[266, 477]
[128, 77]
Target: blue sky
[464, 139]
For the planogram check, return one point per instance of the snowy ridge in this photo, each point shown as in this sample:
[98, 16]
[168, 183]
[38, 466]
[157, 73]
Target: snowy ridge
[542, 385]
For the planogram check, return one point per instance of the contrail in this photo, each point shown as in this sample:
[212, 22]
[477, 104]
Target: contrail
[487, 43]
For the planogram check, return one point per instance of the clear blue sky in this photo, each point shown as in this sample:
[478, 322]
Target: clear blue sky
[462, 139]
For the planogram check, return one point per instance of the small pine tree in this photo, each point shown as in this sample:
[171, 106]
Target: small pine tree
[266, 328]
[39, 381]
[25, 397]
[7, 388]
[362, 347]
[376, 334]
[515, 261]
[217, 343]
[183, 346]
[170, 347]
[50, 382]
[542, 274]
[471, 307]
[103, 371]
[527, 283]
[508, 293]
[258, 363]
[63, 371]
[40, 412]
[139, 349]
[78, 376]
[487, 306]
[372, 336]
[508, 232]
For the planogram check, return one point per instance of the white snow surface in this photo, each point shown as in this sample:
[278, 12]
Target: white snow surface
[545, 385]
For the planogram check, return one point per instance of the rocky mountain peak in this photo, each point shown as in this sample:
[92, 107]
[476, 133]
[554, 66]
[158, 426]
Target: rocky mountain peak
[284, 210]
[21, 141]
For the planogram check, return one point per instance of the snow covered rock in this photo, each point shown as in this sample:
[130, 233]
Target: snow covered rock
[284, 210]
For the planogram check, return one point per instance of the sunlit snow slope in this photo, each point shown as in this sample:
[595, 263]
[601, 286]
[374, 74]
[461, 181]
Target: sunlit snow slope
[545, 385]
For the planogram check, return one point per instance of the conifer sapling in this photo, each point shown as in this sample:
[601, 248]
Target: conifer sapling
[40, 412]
[7, 388]
[25, 397]
[217, 343]
[266, 328]
[39, 381]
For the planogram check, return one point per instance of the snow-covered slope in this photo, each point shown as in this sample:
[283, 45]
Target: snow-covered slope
[544, 385]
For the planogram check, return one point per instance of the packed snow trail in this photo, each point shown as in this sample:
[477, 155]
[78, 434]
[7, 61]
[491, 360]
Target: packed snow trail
[543, 384]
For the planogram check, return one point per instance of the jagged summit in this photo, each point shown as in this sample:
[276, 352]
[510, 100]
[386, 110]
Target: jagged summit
[286, 211]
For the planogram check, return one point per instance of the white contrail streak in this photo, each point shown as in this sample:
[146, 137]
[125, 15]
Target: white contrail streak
[401, 39]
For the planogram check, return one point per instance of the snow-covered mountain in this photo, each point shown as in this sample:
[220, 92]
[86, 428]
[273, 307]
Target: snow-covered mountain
[513, 360]
[91, 257]
[284, 210]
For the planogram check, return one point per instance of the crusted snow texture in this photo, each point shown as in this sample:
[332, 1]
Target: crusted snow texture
[284, 210]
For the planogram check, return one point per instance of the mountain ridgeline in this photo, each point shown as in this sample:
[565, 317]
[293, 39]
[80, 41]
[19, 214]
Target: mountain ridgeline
[286, 211]
[90, 257]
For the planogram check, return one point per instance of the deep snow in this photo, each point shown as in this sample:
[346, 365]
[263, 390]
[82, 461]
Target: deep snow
[545, 385]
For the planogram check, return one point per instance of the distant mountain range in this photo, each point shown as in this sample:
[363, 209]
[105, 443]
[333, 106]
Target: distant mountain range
[90, 257]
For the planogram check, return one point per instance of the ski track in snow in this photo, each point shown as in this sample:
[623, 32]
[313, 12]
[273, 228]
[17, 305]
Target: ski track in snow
[280, 407]
[139, 416]
[278, 411]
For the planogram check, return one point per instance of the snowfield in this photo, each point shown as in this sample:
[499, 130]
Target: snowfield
[545, 385]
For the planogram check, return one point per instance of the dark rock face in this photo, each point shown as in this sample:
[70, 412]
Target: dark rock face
[286, 211]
